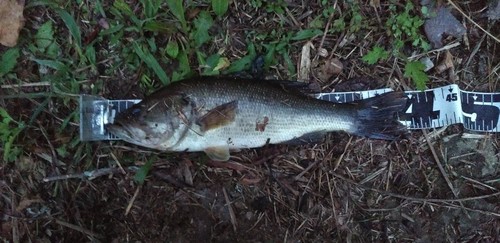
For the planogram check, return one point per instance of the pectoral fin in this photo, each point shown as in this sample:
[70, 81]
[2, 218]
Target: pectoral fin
[218, 116]
[218, 153]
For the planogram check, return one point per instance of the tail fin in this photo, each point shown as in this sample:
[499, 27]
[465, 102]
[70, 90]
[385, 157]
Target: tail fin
[377, 116]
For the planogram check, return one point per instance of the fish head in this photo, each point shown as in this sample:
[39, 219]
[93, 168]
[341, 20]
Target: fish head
[150, 124]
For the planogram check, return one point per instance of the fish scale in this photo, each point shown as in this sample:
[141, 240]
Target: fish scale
[217, 115]
[290, 115]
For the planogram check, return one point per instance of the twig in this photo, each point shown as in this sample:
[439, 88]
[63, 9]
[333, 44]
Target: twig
[15, 222]
[444, 48]
[334, 211]
[89, 175]
[293, 18]
[132, 200]
[479, 183]
[337, 163]
[438, 162]
[117, 162]
[230, 209]
[297, 177]
[79, 229]
[441, 168]
[472, 21]
[52, 150]
[38, 84]
[330, 18]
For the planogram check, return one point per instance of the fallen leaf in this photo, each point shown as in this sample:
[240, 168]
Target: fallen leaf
[11, 21]
[25, 203]
[186, 173]
[442, 23]
[222, 64]
[446, 64]
[330, 68]
[494, 10]
[305, 62]
[428, 63]
[249, 181]
[375, 3]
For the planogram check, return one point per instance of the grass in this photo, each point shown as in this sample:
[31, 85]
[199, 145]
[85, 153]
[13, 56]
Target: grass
[344, 188]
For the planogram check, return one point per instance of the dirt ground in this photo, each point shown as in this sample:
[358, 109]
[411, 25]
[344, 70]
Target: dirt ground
[431, 186]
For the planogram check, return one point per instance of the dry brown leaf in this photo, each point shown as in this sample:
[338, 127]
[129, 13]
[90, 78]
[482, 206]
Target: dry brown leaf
[186, 172]
[330, 68]
[446, 64]
[11, 21]
[375, 3]
[25, 203]
[305, 62]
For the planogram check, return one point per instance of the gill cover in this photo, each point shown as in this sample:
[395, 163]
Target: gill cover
[154, 123]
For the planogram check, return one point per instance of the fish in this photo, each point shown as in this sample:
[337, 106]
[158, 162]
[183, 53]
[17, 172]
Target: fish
[219, 115]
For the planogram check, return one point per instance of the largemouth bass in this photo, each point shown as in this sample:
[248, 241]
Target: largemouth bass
[217, 115]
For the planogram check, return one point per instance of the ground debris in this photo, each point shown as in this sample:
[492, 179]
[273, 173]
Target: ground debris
[494, 10]
[442, 23]
[11, 21]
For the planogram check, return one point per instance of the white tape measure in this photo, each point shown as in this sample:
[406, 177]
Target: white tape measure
[432, 108]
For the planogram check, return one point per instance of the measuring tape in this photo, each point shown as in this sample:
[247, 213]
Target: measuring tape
[432, 108]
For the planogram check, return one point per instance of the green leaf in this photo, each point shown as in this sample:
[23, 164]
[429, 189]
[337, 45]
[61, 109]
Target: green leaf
[220, 6]
[72, 27]
[90, 54]
[307, 34]
[6, 118]
[177, 10]
[184, 66]
[151, 7]
[9, 61]
[244, 62]
[151, 62]
[415, 71]
[289, 63]
[156, 26]
[269, 58]
[210, 64]
[57, 65]
[172, 49]
[222, 64]
[317, 23]
[202, 24]
[376, 54]
[53, 50]
[44, 36]
[123, 7]
[141, 174]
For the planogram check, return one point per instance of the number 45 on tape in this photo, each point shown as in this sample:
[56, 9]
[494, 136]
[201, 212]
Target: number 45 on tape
[439, 107]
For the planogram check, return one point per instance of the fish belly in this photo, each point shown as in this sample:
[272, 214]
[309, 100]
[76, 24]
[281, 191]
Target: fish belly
[258, 128]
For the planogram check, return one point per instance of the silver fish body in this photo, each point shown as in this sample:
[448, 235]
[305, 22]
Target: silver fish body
[217, 115]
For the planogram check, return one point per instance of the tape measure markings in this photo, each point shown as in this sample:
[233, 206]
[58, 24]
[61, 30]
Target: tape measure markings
[433, 108]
